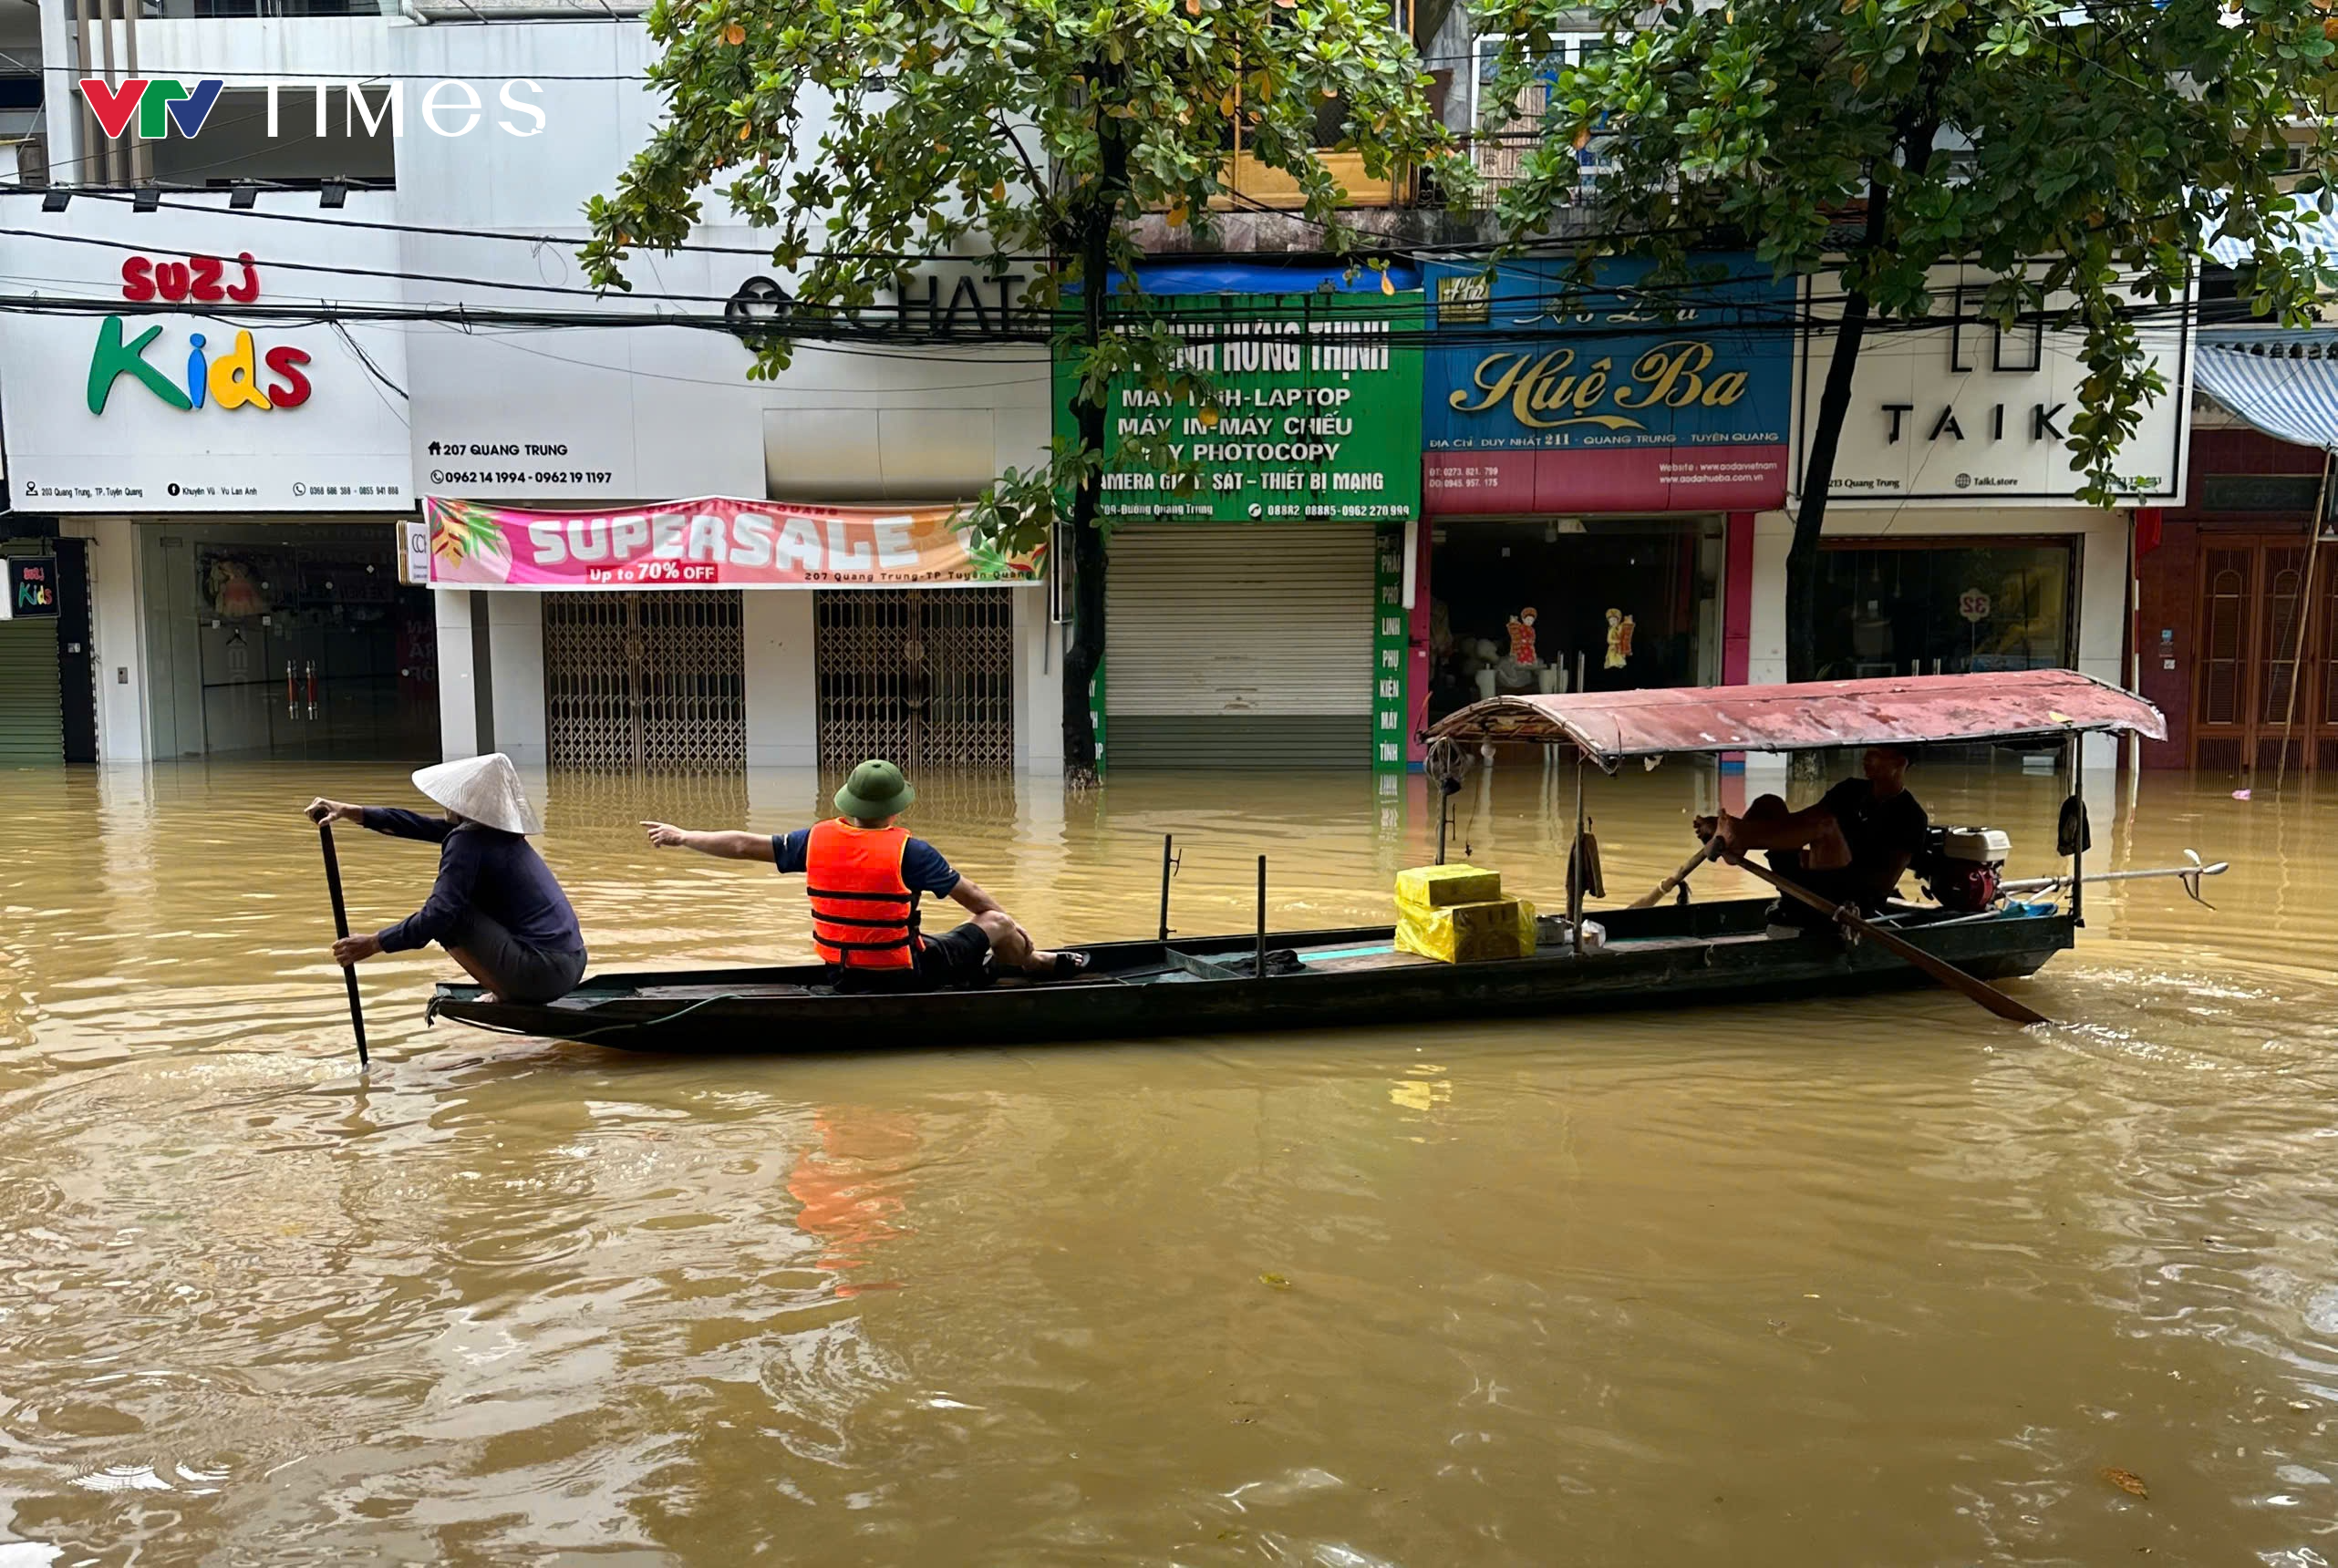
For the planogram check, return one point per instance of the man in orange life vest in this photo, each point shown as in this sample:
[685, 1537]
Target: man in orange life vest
[864, 876]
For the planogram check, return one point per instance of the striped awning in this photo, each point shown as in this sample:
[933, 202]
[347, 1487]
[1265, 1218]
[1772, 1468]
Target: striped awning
[2313, 231]
[2283, 382]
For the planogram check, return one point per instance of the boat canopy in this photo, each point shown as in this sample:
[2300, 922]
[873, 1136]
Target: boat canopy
[1610, 727]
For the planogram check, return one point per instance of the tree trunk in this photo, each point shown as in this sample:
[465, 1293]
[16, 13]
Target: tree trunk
[1916, 129]
[1086, 654]
[1825, 440]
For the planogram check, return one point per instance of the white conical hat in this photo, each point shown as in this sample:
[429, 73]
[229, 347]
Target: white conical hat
[484, 789]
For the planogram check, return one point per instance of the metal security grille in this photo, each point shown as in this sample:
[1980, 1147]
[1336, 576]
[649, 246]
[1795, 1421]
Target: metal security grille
[651, 681]
[925, 677]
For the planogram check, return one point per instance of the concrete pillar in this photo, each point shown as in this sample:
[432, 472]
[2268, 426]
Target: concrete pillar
[117, 634]
[782, 709]
[460, 681]
[1038, 686]
[1765, 620]
[515, 660]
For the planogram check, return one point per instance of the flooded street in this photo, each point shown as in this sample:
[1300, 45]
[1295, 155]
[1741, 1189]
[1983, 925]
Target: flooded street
[1881, 1280]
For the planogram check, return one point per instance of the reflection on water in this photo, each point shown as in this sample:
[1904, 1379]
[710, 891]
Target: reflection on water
[1849, 1281]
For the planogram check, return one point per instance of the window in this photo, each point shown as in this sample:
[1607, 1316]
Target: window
[1945, 607]
[1501, 134]
[235, 144]
[1252, 185]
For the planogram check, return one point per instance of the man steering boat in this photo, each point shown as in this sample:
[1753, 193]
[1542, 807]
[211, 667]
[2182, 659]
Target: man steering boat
[1852, 847]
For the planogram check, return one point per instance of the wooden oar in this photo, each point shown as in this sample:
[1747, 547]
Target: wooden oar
[341, 928]
[1711, 848]
[1947, 974]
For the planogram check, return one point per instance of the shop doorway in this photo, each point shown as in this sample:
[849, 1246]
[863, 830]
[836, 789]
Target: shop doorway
[652, 681]
[1618, 604]
[287, 641]
[925, 677]
[1935, 606]
[2266, 678]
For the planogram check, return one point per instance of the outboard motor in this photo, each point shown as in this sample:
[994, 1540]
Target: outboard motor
[1960, 867]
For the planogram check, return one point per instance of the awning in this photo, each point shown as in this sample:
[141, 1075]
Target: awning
[2312, 230]
[1909, 710]
[2282, 381]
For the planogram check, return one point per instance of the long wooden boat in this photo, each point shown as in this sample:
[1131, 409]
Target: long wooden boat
[1665, 955]
[1670, 955]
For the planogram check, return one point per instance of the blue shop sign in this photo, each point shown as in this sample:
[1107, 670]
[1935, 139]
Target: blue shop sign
[1540, 397]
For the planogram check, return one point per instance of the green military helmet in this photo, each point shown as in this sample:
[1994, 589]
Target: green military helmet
[875, 789]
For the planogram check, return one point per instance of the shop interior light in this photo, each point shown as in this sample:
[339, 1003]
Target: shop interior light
[1550, 533]
[1570, 525]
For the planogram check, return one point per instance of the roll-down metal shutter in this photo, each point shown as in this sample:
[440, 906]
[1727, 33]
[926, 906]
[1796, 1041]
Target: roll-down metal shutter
[1239, 647]
[31, 717]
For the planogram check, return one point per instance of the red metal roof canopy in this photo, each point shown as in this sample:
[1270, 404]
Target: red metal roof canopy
[1912, 710]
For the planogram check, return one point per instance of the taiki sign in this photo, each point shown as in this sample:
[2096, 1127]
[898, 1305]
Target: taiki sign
[161, 106]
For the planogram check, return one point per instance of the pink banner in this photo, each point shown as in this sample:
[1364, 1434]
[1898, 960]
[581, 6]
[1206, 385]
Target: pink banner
[1604, 479]
[712, 543]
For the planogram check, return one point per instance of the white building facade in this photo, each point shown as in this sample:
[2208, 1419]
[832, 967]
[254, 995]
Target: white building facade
[245, 570]
[1955, 539]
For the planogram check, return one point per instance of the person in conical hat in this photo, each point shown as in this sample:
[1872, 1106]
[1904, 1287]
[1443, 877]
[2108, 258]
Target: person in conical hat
[497, 909]
[865, 875]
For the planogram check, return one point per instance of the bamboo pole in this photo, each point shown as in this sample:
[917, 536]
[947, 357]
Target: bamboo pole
[2304, 620]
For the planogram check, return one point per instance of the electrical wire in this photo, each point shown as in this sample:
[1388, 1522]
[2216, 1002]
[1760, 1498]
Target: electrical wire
[815, 321]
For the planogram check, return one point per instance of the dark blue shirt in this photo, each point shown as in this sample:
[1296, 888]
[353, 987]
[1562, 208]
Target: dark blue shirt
[922, 865]
[497, 873]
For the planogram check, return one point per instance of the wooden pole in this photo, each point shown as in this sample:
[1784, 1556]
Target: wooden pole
[1649, 901]
[2304, 620]
[341, 928]
[1576, 868]
[2078, 843]
[1262, 917]
[1166, 840]
[1940, 969]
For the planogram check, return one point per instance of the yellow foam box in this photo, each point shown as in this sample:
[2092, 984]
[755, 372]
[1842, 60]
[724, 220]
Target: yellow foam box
[1431, 887]
[1466, 933]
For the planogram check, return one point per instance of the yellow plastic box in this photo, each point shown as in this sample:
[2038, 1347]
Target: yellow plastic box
[1467, 932]
[1433, 887]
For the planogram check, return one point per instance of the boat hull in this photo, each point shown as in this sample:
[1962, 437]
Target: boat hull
[1711, 953]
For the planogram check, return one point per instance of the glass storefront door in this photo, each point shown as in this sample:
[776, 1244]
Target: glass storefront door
[1945, 606]
[1618, 604]
[293, 640]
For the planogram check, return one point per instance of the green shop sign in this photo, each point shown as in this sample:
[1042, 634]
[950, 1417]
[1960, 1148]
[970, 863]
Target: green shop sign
[1317, 411]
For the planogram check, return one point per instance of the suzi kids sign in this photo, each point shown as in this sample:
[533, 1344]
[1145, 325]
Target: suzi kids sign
[220, 375]
[158, 107]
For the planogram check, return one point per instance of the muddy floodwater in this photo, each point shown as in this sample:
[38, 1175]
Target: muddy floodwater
[1878, 1281]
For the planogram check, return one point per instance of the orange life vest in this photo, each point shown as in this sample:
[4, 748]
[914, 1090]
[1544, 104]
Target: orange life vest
[863, 916]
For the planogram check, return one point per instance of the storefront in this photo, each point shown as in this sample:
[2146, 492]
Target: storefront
[2238, 628]
[32, 692]
[1586, 451]
[1255, 614]
[286, 640]
[1934, 606]
[659, 623]
[802, 632]
[232, 485]
[1955, 539]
